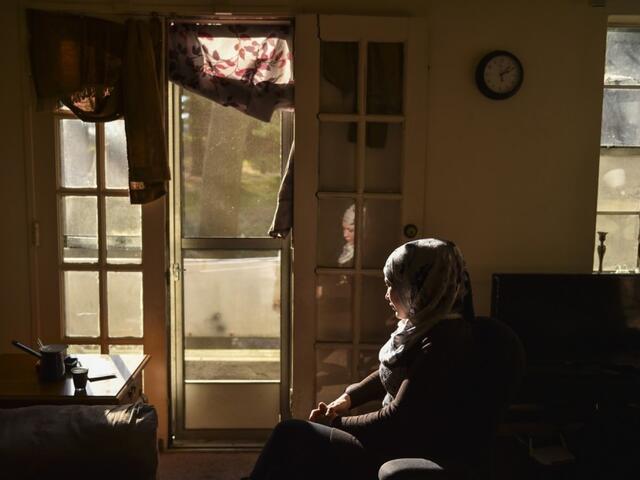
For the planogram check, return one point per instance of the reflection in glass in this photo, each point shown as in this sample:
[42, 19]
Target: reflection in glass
[622, 242]
[385, 69]
[381, 227]
[333, 373]
[623, 62]
[377, 320]
[337, 163]
[79, 229]
[336, 232]
[620, 119]
[124, 231]
[81, 304]
[619, 180]
[115, 152]
[126, 349]
[124, 304]
[77, 154]
[232, 314]
[333, 307]
[338, 77]
[231, 166]
[383, 157]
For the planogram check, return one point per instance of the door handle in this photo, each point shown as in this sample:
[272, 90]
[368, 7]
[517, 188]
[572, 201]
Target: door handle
[410, 230]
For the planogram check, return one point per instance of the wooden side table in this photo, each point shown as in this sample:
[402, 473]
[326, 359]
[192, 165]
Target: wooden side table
[19, 384]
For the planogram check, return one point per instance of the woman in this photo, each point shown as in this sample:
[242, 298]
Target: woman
[423, 379]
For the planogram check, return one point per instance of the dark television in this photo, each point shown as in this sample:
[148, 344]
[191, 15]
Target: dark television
[565, 318]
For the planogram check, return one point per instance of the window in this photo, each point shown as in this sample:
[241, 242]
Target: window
[618, 211]
[100, 239]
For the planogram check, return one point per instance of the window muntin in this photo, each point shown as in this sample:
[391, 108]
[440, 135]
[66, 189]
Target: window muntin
[618, 209]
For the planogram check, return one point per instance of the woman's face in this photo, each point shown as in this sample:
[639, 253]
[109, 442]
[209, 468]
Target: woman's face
[347, 232]
[394, 302]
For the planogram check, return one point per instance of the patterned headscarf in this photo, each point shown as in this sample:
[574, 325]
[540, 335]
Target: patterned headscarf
[431, 282]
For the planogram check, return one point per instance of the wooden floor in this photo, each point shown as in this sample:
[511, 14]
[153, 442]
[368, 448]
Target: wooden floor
[180, 465]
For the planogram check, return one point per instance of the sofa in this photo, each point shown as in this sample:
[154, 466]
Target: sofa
[79, 441]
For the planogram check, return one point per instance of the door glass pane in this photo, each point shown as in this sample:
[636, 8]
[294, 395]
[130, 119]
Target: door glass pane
[381, 229]
[126, 349]
[115, 155]
[91, 349]
[79, 229]
[231, 166]
[623, 63]
[232, 314]
[367, 362]
[336, 232]
[77, 154]
[124, 302]
[124, 231]
[383, 157]
[619, 180]
[385, 72]
[622, 242]
[377, 320]
[333, 372]
[333, 307]
[81, 304]
[620, 119]
[338, 77]
[337, 165]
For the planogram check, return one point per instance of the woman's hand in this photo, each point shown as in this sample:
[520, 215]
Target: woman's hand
[340, 406]
[322, 415]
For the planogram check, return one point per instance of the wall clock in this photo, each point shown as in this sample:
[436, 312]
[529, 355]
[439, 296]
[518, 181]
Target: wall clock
[499, 74]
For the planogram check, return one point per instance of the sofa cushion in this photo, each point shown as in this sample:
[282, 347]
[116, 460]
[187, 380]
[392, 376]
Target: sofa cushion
[93, 441]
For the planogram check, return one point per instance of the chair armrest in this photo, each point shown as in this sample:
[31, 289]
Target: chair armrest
[411, 469]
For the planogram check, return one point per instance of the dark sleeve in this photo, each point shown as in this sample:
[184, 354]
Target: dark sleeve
[370, 388]
[421, 400]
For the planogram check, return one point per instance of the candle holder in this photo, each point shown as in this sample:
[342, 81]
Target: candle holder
[602, 249]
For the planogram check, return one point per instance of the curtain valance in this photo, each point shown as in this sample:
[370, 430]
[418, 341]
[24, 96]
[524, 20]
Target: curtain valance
[102, 71]
[248, 67]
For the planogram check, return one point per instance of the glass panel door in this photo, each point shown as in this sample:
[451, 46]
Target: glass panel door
[231, 278]
[360, 106]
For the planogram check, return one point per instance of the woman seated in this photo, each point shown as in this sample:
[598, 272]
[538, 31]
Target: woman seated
[424, 380]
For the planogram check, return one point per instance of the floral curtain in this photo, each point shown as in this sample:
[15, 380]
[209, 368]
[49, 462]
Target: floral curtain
[104, 70]
[247, 67]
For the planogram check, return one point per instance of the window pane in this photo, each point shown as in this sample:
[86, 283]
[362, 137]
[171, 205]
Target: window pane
[92, 349]
[336, 232]
[124, 231]
[126, 349]
[79, 229]
[619, 180]
[333, 373]
[333, 307]
[337, 165]
[621, 242]
[383, 157]
[385, 69]
[231, 167]
[77, 154]
[338, 77]
[115, 152]
[621, 118]
[381, 228]
[623, 61]
[232, 314]
[124, 302]
[377, 320]
[81, 304]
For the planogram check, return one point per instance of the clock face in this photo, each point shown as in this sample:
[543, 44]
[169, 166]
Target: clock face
[499, 75]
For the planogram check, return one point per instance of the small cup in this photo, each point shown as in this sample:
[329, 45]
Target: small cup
[80, 375]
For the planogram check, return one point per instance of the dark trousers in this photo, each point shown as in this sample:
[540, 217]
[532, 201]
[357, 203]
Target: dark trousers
[301, 450]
